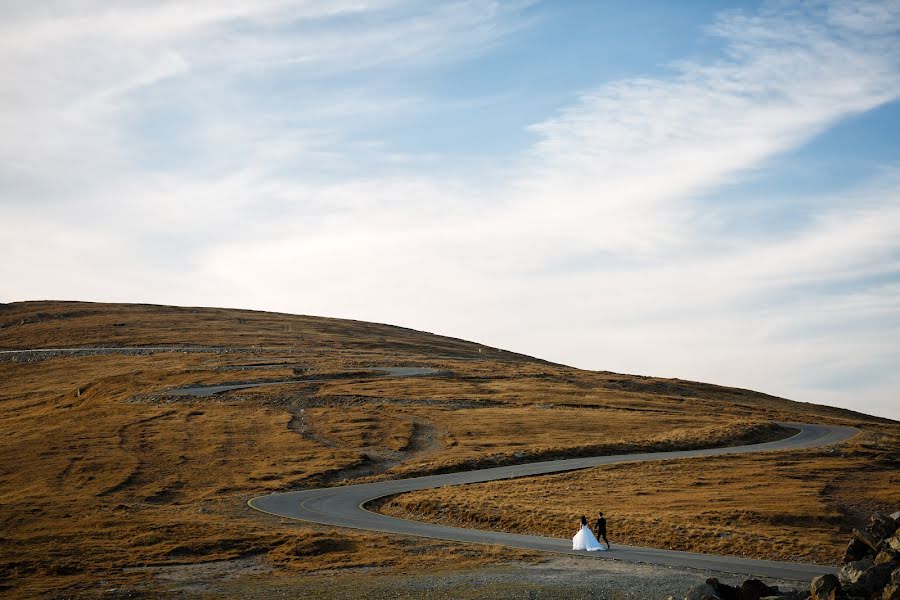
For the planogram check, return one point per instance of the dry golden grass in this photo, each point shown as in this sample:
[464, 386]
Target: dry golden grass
[786, 506]
[101, 471]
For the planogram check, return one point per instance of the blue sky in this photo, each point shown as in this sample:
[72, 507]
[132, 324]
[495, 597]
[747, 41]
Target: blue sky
[704, 190]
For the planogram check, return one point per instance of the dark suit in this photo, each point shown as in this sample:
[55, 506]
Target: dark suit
[601, 529]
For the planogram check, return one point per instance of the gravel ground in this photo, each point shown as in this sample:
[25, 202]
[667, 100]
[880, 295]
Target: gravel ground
[567, 578]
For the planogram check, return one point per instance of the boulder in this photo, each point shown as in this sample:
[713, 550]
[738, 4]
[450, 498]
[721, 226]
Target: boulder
[754, 589]
[855, 551]
[871, 571]
[871, 581]
[891, 592]
[881, 526]
[723, 590]
[825, 587]
[701, 592]
[866, 538]
[893, 542]
[851, 572]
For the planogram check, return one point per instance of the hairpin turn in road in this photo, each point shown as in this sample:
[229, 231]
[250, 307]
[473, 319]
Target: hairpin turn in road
[344, 506]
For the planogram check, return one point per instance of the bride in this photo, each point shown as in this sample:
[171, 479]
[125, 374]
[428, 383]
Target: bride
[584, 539]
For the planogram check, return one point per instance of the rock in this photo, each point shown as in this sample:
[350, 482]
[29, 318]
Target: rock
[892, 590]
[866, 538]
[855, 551]
[724, 591]
[754, 589]
[871, 571]
[893, 542]
[871, 581]
[852, 572]
[881, 526]
[825, 587]
[701, 592]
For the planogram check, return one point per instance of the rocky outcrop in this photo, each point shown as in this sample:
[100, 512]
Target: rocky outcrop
[871, 571]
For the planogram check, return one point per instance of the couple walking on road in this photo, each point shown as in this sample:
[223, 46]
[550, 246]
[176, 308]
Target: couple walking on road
[585, 540]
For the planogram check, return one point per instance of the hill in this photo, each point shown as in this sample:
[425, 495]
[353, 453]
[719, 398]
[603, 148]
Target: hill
[118, 463]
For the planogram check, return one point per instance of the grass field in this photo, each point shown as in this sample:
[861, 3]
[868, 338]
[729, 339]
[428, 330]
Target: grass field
[106, 480]
[786, 506]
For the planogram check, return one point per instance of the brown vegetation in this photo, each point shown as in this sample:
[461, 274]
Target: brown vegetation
[795, 506]
[101, 471]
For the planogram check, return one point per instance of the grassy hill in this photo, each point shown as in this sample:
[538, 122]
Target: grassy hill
[109, 479]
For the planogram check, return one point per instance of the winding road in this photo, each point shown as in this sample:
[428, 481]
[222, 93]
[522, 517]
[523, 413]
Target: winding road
[211, 390]
[343, 506]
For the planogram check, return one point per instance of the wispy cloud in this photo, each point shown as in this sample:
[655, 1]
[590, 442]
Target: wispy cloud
[601, 245]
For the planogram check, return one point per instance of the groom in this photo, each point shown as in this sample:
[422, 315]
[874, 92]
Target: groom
[601, 529]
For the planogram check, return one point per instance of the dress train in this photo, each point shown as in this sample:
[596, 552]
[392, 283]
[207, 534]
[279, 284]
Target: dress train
[585, 540]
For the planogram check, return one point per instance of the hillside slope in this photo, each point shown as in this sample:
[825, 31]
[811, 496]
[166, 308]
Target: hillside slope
[109, 473]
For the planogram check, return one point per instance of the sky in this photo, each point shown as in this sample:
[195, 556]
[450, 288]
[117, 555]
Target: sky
[707, 190]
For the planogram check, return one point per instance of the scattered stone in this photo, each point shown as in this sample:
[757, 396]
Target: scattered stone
[881, 526]
[873, 580]
[871, 572]
[854, 570]
[701, 592]
[825, 587]
[724, 591]
[754, 589]
[894, 542]
[866, 538]
[892, 590]
[855, 551]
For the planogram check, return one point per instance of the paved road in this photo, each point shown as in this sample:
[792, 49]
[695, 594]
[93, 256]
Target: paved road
[342, 506]
[210, 390]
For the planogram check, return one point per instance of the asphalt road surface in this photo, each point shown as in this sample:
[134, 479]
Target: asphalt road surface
[210, 390]
[343, 506]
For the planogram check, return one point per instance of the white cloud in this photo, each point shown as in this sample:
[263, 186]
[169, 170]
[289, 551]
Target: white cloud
[592, 248]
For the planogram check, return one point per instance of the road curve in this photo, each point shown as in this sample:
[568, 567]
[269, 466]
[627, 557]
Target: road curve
[211, 390]
[343, 506]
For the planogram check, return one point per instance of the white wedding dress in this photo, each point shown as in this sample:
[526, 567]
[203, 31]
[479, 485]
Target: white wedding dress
[585, 540]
